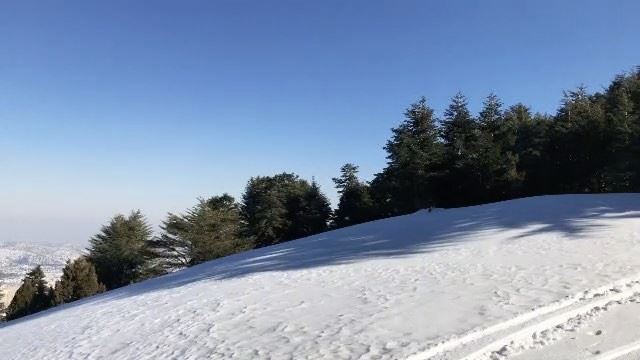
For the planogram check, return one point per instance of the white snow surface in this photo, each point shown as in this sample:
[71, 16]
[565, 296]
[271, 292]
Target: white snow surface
[531, 278]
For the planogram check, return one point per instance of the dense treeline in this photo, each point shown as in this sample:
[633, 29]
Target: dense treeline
[590, 145]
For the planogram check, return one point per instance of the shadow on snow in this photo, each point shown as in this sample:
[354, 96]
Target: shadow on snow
[420, 232]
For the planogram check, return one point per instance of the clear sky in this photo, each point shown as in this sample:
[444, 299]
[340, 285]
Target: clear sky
[117, 105]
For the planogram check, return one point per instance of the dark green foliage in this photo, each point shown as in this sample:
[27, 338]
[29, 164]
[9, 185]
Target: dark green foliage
[530, 149]
[459, 129]
[590, 145]
[211, 229]
[32, 296]
[465, 177]
[283, 207]
[578, 145]
[496, 159]
[414, 156]
[355, 205]
[78, 281]
[310, 212]
[120, 252]
[621, 103]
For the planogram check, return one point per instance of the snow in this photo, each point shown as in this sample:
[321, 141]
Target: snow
[17, 259]
[517, 279]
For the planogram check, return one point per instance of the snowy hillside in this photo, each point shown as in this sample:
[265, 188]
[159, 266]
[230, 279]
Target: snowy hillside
[17, 259]
[545, 277]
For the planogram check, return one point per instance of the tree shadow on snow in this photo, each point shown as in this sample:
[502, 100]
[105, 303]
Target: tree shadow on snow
[566, 215]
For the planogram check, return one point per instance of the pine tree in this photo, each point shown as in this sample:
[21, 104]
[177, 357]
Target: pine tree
[462, 142]
[211, 229]
[355, 205]
[78, 280]
[283, 207]
[459, 130]
[491, 119]
[634, 120]
[264, 208]
[621, 102]
[530, 148]
[120, 252]
[32, 296]
[579, 145]
[414, 157]
[348, 178]
[496, 160]
[310, 212]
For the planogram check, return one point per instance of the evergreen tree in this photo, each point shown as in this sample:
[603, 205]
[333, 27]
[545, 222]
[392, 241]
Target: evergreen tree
[491, 120]
[496, 163]
[621, 103]
[619, 115]
[459, 130]
[32, 296]
[414, 157]
[283, 207]
[355, 205]
[120, 252]
[530, 148]
[634, 120]
[464, 181]
[310, 212]
[211, 229]
[348, 178]
[578, 145]
[78, 280]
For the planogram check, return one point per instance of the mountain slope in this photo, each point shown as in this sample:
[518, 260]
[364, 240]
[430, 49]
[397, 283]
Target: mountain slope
[488, 281]
[17, 259]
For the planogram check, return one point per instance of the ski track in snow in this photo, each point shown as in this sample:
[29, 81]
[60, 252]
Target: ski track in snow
[539, 326]
[487, 282]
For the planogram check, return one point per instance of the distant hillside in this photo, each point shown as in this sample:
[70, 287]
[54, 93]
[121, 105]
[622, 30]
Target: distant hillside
[17, 259]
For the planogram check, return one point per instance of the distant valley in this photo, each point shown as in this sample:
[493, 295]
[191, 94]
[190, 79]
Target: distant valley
[17, 259]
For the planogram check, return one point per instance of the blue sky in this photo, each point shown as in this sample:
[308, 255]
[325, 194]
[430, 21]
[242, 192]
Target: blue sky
[118, 105]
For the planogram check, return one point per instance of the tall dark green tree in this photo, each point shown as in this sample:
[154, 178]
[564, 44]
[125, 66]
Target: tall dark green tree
[459, 129]
[211, 229]
[32, 296]
[355, 205]
[578, 145]
[121, 251]
[462, 143]
[283, 207]
[530, 147]
[78, 280]
[414, 157]
[491, 119]
[634, 120]
[490, 155]
[496, 163]
[621, 103]
[310, 212]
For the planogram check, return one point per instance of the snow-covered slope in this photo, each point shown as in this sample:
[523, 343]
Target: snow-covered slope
[510, 279]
